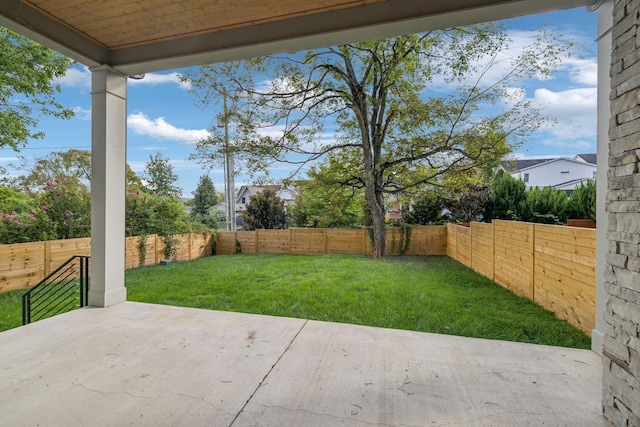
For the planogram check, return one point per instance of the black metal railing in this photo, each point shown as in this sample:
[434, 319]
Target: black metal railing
[65, 289]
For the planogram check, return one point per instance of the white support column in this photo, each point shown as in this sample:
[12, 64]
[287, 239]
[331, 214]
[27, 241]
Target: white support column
[605, 23]
[108, 186]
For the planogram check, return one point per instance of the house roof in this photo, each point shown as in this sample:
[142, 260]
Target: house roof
[139, 36]
[518, 165]
[512, 166]
[589, 158]
[569, 185]
[253, 189]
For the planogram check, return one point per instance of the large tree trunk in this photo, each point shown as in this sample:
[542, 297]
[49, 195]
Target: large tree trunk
[375, 201]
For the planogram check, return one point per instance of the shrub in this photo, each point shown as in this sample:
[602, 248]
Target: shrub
[582, 203]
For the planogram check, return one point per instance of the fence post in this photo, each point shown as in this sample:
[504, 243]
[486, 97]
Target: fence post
[493, 254]
[470, 247]
[47, 258]
[326, 248]
[257, 242]
[532, 248]
[364, 240]
[155, 251]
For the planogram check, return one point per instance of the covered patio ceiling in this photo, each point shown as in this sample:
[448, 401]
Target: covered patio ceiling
[138, 36]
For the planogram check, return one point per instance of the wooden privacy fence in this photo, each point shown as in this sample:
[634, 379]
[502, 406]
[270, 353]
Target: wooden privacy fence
[23, 265]
[551, 265]
[423, 240]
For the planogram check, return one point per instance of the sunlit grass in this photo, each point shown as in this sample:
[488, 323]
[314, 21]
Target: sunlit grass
[10, 309]
[430, 294]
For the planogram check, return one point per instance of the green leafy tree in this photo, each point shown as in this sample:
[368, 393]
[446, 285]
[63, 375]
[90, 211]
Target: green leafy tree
[25, 227]
[265, 211]
[546, 205]
[72, 165]
[133, 180]
[68, 206]
[27, 89]
[204, 197]
[395, 135]
[298, 212]
[326, 207]
[469, 204]
[203, 205]
[148, 213]
[582, 203]
[13, 200]
[160, 178]
[324, 202]
[427, 208]
[508, 198]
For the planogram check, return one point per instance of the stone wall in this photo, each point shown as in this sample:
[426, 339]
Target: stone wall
[621, 347]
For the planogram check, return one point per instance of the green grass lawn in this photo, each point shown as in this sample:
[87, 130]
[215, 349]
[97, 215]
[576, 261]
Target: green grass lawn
[430, 294]
[10, 309]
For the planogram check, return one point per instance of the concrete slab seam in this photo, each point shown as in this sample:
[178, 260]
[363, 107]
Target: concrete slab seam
[269, 372]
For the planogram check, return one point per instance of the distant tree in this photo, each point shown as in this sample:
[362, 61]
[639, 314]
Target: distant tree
[152, 214]
[74, 165]
[582, 203]
[204, 197]
[159, 176]
[265, 211]
[546, 205]
[12, 200]
[427, 208]
[298, 213]
[133, 180]
[67, 203]
[327, 207]
[325, 202]
[508, 197]
[469, 204]
[27, 89]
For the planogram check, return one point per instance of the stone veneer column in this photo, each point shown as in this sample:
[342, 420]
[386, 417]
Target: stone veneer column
[621, 344]
[605, 24]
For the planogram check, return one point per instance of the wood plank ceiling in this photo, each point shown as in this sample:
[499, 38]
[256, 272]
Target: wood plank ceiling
[137, 36]
[118, 24]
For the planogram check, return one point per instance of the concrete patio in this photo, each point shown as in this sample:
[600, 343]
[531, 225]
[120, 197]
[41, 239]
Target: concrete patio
[142, 364]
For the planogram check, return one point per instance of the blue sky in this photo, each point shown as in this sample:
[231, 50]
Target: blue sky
[162, 116]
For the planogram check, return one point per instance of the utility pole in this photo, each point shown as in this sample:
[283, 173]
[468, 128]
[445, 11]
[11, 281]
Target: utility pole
[229, 195]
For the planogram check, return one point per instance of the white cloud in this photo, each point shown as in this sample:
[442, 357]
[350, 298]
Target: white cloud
[181, 164]
[137, 166]
[153, 79]
[78, 76]
[575, 109]
[274, 132]
[140, 124]
[81, 113]
[9, 159]
[582, 71]
[574, 145]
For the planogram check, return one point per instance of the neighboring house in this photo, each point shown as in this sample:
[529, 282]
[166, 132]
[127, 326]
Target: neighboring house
[246, 191]
[394, 214]
[222, 223]
[562, 173]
